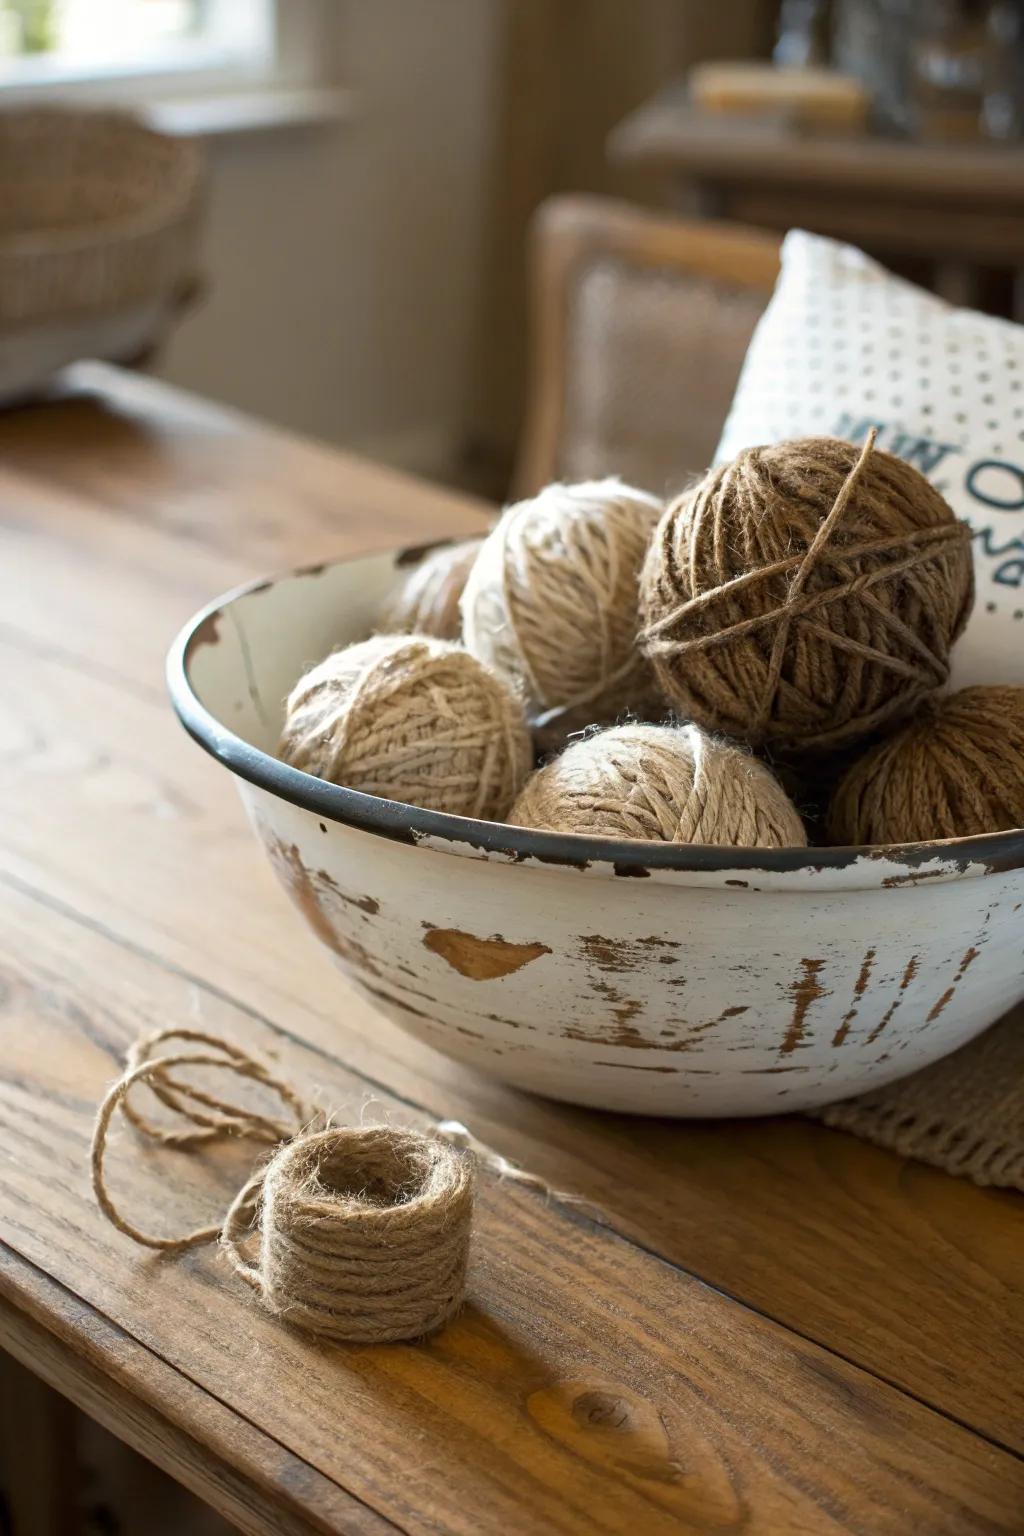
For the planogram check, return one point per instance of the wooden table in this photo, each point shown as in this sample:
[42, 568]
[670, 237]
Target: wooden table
[957, 209]
[775, 1328]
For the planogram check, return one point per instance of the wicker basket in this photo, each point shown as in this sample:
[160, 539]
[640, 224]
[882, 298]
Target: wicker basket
[98, 214]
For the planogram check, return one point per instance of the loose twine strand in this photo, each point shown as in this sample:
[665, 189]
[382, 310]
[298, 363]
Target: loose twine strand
[363, 1231]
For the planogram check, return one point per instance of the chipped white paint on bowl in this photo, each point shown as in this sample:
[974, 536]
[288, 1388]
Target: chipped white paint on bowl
[654, 979]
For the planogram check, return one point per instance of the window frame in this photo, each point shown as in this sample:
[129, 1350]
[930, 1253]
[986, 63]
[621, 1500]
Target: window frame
[297, 57]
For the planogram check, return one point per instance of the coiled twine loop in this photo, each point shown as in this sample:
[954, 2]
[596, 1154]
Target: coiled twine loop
[363, 1230]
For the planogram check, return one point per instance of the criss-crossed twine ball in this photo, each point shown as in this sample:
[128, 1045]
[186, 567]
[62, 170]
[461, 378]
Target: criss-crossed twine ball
[805, 594]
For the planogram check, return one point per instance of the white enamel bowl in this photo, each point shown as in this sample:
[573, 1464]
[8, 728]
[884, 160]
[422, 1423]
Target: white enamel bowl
[632, 976]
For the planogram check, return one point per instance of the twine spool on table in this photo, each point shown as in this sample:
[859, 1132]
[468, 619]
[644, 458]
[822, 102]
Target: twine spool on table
[805, 594]
[427, 602]
[673, 784]
[957, 770]
[414, 719]
[551, 602]
[363, 1230]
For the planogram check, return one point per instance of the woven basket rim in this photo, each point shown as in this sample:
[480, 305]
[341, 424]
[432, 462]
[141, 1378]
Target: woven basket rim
[175, 201]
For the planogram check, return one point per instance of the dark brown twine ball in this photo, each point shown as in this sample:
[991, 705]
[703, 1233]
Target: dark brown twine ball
[957, 770]
[805, 594]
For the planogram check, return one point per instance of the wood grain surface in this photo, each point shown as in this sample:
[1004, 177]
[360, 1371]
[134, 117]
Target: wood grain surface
[161, 1413]
[773, 1328]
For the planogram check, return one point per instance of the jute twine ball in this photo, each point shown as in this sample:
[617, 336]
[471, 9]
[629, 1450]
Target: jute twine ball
[551, 601]
[671, 784]
[427, 602]
[957, 770]
[362, 1232]
[805, 594]
[412, 719]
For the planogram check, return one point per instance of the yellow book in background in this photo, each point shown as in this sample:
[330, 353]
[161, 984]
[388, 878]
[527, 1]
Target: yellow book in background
[806, 97]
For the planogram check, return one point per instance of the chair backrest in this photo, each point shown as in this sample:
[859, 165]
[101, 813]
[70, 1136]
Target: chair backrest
[639, 324]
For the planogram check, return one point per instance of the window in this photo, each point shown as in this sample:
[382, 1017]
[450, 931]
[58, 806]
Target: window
[190, 66]
[57, 42]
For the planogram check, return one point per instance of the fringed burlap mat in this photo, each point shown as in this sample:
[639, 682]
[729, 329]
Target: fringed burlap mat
[965, 1114]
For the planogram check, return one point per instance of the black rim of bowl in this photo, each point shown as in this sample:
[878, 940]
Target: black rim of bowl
[994, 851]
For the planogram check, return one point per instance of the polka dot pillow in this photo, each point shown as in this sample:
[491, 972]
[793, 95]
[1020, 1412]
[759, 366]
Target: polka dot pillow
[844, 346]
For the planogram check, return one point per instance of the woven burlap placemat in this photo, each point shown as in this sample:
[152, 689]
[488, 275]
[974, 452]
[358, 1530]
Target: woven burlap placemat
[964, 1114]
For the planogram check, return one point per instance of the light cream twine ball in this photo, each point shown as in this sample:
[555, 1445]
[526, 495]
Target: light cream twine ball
[664, 783]
[414, 719]
[552, 601]
[427, 602]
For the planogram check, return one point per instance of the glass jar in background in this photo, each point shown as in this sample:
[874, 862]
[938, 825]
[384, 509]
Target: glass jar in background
[872, 41]
[937, 69]
[948, 57]
[803, 35]
[1003, 105]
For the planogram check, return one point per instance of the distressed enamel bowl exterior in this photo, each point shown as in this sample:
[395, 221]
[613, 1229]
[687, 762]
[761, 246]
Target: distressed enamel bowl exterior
[631, 976]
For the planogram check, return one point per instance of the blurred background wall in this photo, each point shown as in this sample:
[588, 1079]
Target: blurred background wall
[374, 166]
[366, 277]
[344, 258]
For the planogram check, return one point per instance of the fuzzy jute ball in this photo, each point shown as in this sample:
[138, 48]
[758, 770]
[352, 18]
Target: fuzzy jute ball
[551, 601]
[427, 602]
[413, 719]
[671, 784]
[957, 770]
[805, 594]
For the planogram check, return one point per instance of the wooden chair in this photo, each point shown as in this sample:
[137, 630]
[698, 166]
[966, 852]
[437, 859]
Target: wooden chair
[639, 324]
